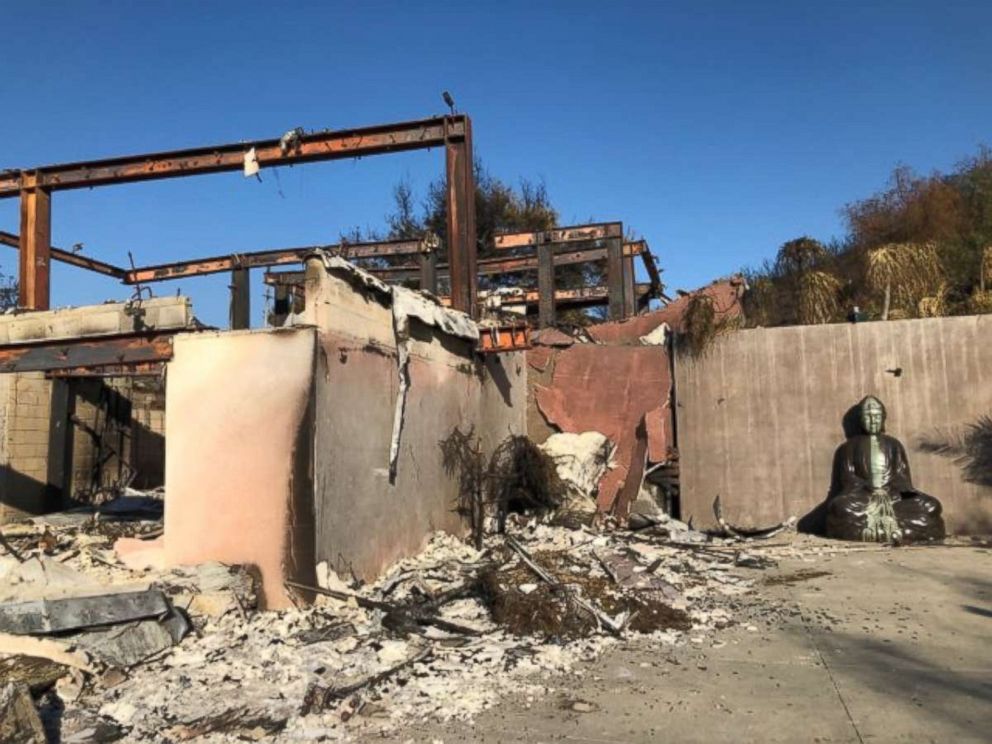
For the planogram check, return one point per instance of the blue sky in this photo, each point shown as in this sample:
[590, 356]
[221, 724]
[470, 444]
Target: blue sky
[717, 130]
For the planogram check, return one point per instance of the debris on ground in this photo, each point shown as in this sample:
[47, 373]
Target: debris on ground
[19, 721]
[104, 650]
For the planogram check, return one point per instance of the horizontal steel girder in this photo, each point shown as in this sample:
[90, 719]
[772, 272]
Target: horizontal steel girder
[86, 352]
[327, 145]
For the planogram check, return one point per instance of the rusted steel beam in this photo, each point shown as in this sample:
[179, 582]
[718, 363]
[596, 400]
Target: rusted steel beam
[124, 349]
[240, 299]
[629, 295]
[460, 198]
[584, 296]
[257, 259]
[138, 369]
[614, 278]
[545, 285]
[427, 271]
[328, 145]
[284, 278]
[495, 266]
[652, 268]
[35, 247]
[67, 257]
[570, 234]
[485, 266]
[530, 263]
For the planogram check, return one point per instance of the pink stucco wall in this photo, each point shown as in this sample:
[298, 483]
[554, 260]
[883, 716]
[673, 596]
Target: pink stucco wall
[237, 467]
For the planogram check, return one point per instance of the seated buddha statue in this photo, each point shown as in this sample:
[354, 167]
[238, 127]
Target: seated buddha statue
[875, 500]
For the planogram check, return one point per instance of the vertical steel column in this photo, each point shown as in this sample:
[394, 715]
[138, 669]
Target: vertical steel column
[240, 299]
[629, 286]
[614, 277]
[545, 285]
[428, 270]
[60, 435]
[461, 221]
[36, 248]
[282, 306]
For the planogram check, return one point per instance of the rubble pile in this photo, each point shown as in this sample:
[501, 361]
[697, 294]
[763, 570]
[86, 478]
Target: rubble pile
[441, 636]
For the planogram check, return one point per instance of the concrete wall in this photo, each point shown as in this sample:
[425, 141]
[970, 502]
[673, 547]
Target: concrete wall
[364, 522]
[25, 410]
[96, 320]
[237, 476]
[760, 416]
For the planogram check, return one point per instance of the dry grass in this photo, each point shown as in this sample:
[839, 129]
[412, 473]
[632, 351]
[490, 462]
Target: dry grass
[934, 306]
[912, 273]
[980, 302]
[701, 325]
[818, 298]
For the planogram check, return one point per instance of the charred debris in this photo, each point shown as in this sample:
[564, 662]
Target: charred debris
[157, 654]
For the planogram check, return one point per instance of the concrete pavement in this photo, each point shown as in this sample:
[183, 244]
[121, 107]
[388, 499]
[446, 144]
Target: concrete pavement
[893, 645]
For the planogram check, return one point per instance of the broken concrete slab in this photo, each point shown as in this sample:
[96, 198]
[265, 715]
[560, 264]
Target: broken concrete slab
[19, 720]
[212, 589]
[41, 577]
[551, 337]
[131, 643]
[46, 616]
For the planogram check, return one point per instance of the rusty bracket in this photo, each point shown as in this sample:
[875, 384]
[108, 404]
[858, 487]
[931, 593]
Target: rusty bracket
[502, 338]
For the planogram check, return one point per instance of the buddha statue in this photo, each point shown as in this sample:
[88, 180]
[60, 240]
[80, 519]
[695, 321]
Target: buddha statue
[875, 500]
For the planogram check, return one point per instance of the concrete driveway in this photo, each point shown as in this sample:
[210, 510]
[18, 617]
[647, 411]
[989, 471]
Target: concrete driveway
[891, 645]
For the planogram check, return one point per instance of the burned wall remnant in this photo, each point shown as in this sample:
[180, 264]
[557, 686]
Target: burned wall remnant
[238, 413]
[372, 508]
[760, 414]
[614, 390]
[72, 438]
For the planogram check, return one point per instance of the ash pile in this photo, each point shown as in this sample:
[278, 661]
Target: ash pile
[91, 650]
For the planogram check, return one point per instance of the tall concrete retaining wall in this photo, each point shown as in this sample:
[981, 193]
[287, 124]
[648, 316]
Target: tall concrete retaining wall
[760, 415]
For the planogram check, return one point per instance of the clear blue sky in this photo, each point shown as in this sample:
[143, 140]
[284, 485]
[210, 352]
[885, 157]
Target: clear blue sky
[717, 130]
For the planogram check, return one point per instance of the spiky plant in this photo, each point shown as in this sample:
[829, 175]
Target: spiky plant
[818, 297]
[985, 272]
[904, 274]
[935, 305]
[980, 302]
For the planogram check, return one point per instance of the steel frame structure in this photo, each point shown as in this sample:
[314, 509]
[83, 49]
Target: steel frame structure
[35, 187]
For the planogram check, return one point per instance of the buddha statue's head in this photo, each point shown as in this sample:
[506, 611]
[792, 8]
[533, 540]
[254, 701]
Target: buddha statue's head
[872, 415]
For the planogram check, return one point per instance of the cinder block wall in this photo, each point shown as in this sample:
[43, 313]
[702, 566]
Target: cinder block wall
[760, 415]
[143, 443]
[28, 483]
[25, 405]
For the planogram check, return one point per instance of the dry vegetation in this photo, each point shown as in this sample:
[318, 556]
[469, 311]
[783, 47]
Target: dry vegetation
[922, 247]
